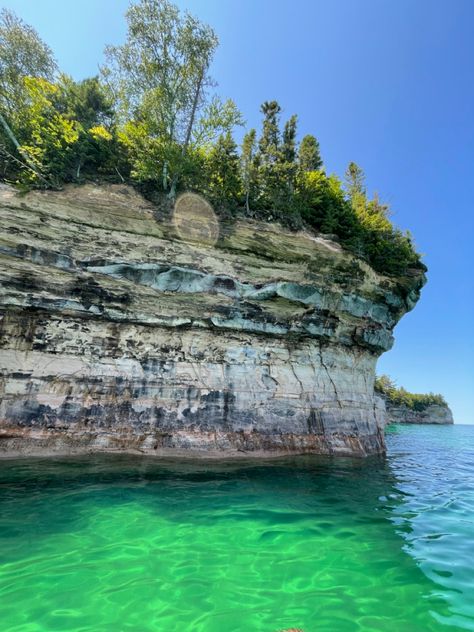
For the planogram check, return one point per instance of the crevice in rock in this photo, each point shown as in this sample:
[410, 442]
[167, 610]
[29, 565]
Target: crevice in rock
[329, 375]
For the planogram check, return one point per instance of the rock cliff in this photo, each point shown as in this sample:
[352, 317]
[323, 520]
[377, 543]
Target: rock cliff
[433, 414]
[122, 332]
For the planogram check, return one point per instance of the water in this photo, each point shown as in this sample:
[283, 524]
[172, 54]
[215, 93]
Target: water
[132, 544]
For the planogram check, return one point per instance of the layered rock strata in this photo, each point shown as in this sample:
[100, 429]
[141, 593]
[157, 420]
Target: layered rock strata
[117, 334]
[433, 414]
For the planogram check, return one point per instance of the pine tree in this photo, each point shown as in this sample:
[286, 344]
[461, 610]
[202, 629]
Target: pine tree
[288, 168]
[223, 173]
[269, 143]
[355, 188]
[309, 157]
[288, 149]
[355, 180]
[248, 166]
[268, 157]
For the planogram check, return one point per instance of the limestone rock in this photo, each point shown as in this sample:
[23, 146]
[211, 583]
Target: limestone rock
[117, 334]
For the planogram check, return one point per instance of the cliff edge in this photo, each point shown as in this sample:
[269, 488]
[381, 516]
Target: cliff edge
[120, 332]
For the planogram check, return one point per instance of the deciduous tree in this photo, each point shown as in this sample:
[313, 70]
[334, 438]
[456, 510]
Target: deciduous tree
[160, 78]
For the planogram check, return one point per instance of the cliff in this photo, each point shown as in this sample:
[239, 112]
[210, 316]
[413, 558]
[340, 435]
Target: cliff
[121, 332]
[433, 414]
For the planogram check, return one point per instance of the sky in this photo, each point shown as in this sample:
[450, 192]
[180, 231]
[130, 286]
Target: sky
[388, 84]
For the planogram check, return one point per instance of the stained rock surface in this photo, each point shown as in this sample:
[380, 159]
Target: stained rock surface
[117, 334]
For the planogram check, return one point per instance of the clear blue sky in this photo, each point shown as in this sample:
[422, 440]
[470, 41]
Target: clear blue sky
[386, 83]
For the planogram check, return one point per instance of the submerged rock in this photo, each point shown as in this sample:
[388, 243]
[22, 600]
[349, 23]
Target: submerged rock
[117, 334]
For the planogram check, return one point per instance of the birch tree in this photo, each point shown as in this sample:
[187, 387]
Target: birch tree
[161, 82]
[22, 54]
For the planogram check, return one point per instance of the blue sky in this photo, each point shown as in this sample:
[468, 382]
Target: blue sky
[386, 83]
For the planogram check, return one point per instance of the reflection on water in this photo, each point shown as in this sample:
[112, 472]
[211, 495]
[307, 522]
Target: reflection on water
[125, 543]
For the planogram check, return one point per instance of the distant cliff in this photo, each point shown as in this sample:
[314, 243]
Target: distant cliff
[433, 414]
[121, 332]
[404, 407]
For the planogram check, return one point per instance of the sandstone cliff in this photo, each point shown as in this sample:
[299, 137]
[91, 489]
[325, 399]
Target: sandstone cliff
[434, 414]
[116, 334]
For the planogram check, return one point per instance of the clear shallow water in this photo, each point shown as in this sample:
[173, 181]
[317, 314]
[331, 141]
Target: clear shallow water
[133, 544]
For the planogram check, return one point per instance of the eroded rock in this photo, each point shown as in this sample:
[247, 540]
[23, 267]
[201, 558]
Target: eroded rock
[116, 334]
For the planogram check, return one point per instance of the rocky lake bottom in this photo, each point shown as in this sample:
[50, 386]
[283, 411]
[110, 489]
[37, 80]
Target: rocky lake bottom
[121, 543]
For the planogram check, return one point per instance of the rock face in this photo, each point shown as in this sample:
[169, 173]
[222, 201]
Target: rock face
[433, 414]
[117, 334]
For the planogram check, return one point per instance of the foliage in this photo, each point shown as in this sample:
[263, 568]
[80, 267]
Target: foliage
[45, 134]
[222, 174]
[401, 397]
[152, 119]
[22, 54]
[160, 80]
[309, 157]
[248, 168]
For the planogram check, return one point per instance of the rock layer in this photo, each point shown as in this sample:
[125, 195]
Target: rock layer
[433, 414]
[116, 334]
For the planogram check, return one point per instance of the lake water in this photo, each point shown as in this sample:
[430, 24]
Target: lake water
[135, 544]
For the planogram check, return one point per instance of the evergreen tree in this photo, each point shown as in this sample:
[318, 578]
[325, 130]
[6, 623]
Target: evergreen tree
[269, 143]
[224, 184]
[288, 167]
[249, 170]
[355, 180]
[268, 157]
[355, 188]
[288, 149]
[309, 157]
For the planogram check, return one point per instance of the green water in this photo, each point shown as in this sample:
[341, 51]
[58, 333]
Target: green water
[134, 544]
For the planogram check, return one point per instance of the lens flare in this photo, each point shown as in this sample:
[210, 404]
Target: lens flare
[194, 219]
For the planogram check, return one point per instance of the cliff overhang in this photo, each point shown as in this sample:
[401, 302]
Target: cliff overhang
[118, 334]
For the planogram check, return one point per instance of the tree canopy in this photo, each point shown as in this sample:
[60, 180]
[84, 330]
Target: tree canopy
[400, 397]
[153, 118]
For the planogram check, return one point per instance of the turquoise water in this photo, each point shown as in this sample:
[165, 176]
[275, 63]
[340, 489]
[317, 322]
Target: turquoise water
[134, 544]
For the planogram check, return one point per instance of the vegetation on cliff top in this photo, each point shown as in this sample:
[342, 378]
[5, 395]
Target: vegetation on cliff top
[401, 397]
[153, 119]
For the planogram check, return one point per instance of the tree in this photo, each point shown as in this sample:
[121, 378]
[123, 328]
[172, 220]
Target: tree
[268, 157]
[248, 166]
[323, 204]
[47, 136]
[89, 106]
[309, 158]
[288, 148]
[160, 79]
[224, 184]
[288, 166]
[22, 54]
[355, 181]
[269, 143]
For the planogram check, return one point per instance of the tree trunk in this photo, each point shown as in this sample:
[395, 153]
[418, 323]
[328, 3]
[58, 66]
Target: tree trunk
[9, 132]
[193, 111]
[31, 165]
[189, 131]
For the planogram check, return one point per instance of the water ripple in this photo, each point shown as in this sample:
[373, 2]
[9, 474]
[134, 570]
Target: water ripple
[137, 544]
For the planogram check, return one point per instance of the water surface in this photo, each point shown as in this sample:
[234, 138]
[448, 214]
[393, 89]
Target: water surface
[134, 544]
